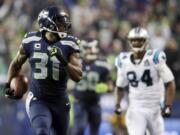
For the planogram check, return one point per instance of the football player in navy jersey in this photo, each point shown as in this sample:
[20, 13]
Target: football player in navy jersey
[96, 80]
[54, 56]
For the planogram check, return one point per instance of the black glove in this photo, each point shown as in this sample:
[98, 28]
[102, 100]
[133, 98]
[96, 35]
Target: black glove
[56, 51]
[118, 110]
[166, 111]
[9, 93]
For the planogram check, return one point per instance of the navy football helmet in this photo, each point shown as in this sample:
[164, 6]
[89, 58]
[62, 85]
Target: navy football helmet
[54, 20]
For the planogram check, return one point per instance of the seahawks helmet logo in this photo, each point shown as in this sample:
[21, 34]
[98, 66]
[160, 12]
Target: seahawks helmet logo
[43, 14]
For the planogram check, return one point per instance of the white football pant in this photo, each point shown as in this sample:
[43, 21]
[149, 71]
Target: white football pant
[138, 120]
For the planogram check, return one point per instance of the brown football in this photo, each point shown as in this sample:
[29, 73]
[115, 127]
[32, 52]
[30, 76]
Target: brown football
[19, 84]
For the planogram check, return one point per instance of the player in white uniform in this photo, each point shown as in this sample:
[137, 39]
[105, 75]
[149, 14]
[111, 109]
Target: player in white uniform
[143, 70]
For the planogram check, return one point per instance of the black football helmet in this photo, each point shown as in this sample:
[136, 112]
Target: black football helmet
[54, 20]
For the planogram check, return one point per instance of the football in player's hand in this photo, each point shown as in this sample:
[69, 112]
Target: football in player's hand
[20, 85]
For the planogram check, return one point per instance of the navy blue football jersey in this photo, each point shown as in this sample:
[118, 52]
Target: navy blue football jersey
[48, 77]
[93, 73]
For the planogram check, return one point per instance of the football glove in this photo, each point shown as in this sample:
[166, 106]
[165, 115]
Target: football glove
[9, 93]
[56, 51]
[118, 110]
[166, 111]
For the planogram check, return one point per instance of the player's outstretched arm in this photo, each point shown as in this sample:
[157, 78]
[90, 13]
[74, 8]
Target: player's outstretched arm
[16, 64]
[14, 69]
[168, 78]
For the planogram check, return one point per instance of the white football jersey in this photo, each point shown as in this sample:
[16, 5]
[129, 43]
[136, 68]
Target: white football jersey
[143, 78]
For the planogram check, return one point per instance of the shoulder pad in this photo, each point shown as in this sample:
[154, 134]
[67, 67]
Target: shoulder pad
[71, 41]
[32, 33]
[103, 64]
[31, 36]
[74, 39]
[122, 56]
[159, 56]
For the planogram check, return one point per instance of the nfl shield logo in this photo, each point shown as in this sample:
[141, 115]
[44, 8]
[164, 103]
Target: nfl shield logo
[146, 63]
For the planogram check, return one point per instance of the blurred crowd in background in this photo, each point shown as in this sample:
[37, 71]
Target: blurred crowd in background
[109, 21]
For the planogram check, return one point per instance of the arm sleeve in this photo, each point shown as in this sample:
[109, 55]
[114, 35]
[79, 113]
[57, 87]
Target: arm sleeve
[121, 79]
[164, 71]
